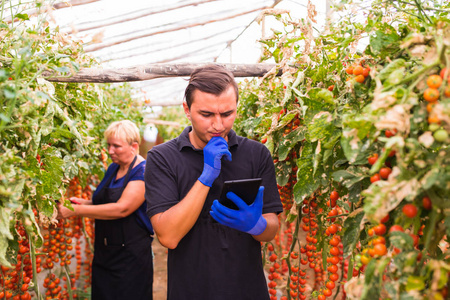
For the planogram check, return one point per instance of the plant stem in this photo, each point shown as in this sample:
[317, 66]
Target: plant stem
[69, 282]
[33, 262]
[413, 75]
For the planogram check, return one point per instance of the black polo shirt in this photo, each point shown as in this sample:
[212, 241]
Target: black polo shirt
[212, 261]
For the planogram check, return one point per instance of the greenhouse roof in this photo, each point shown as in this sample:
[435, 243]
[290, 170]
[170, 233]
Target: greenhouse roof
[122, 34]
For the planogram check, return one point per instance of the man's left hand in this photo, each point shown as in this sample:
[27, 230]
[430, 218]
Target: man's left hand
[248, 218]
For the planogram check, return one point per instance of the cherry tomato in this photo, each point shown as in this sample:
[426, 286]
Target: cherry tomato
[380, 229]
[426, 203]
[375, 178]
[431, 94]
[334, 196]
[380, 249]
[434, 81]
[409, 210]
[384, 172]
[360, 78]
[373, 158]
[396, 228]
[440, 135]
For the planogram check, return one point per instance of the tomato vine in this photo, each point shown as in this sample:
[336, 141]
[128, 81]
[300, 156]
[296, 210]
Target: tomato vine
[373, 128]
[47, 152]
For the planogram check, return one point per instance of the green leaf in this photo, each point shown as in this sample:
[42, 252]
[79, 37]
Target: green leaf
[350, 176]
[9, 93]
[383, 42]
[415, 283]
[352, 226]
[22, 17]
[325, 95]
[283, 170]
[62, 69]
[306, 182]
[394, 65]
[290, 141]
[401, 240]
[371, 289]
[320, 127]
[5, 215]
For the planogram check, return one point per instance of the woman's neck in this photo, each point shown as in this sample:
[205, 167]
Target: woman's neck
[126, 166]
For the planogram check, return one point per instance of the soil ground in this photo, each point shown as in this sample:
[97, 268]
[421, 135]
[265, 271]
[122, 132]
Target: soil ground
[159, 271]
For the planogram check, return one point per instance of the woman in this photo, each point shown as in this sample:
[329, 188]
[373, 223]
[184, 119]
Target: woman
[122, 267]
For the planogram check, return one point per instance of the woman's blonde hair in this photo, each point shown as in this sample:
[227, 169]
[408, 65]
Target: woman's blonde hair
[124, 130]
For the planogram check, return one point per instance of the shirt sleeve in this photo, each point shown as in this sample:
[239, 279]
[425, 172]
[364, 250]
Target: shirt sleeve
[161, 190]
[272, 201]
[137, 173]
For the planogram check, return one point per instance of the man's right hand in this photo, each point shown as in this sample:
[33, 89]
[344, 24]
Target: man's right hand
[212, 153]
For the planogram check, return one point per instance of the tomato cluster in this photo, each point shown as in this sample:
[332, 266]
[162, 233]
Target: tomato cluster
[54, 260]
[359, 72]
[435, 84]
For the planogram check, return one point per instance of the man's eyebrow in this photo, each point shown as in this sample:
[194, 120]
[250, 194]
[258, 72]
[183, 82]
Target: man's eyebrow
[205, 111]
[210, 112]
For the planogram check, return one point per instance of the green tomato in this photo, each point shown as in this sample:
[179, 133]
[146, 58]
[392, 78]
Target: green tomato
[433, 127]
[440, 135]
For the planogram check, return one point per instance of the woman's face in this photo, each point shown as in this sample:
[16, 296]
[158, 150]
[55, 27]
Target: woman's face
[120, 151]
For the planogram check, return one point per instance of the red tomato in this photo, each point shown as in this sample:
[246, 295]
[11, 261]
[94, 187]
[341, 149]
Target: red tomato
[380, 229]
[390, 133]
[375, 178]
[384, 172]
[334, 277]
[330, 285]
[380, 249]
[373, 158]
[385, 219]
[409, 210]
[396, 228]
[426, 203]
[333, 228]
[334, 251]
[334, 196]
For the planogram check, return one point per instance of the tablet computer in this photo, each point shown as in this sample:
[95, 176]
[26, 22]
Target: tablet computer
[246, 189]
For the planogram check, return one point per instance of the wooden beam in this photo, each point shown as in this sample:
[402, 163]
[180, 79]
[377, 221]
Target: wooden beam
[152, 71]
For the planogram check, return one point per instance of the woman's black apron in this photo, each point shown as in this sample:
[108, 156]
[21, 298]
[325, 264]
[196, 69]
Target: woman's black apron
[122, 267]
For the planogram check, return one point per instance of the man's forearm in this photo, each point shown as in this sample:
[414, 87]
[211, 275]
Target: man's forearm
[173, 224]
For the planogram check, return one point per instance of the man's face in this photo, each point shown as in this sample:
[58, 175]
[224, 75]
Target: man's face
[210, 116]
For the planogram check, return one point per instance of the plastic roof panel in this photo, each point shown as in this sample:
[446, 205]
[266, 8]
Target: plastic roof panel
[136, 32]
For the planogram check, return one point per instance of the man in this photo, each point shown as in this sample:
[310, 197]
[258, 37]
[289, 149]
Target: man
[214, 252]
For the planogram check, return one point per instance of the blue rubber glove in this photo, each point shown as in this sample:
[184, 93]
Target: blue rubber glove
[248, 218]
[212, 155]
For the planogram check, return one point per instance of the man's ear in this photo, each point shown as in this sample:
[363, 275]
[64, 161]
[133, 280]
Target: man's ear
[187, 111]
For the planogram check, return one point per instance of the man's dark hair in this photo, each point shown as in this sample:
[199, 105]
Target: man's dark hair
[211, 79]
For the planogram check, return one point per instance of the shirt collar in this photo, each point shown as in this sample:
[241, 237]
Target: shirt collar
[183, 139]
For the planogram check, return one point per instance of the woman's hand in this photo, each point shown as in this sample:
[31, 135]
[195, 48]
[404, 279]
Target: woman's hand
[64, 212]
[76, 200]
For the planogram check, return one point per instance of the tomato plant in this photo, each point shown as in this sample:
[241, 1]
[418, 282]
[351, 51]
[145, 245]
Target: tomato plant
[47, 154]
[375, 140]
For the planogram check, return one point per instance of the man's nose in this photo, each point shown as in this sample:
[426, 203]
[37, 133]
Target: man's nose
[217, 123]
